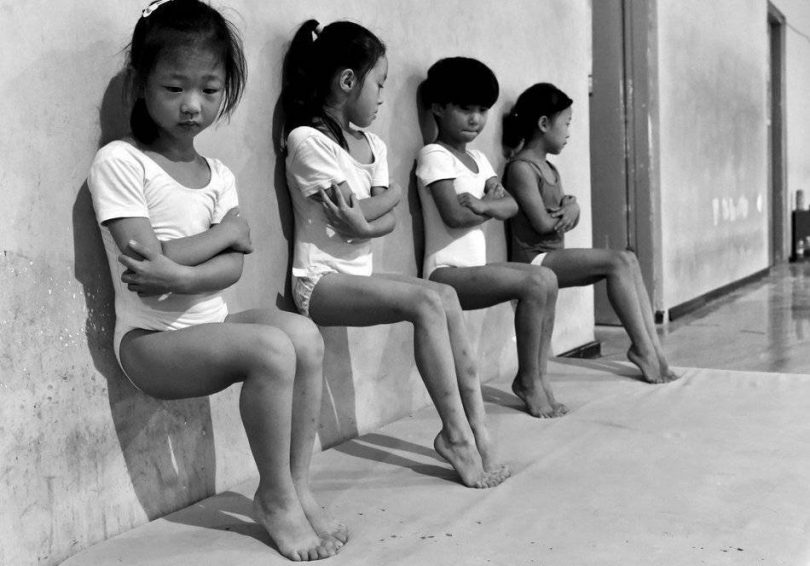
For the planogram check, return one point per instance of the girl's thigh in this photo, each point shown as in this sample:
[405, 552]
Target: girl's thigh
[492, 284]
[296, 326]
[200, 360]
[580, 266]
[356, 300]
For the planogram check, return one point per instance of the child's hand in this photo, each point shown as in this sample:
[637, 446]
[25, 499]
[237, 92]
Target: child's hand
[477, 205]
[346, 218]
[494, 191]
[154, 274]
[239, 229]
[566, 216]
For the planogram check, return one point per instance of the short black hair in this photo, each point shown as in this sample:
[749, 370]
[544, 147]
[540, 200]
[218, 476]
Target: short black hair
[460, 80]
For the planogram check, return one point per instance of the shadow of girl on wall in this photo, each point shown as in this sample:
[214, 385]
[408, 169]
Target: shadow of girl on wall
[168, 446]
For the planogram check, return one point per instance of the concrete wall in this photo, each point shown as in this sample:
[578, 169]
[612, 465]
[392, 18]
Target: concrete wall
[713, 65]
[82, 455]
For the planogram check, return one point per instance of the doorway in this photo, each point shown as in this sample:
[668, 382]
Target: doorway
[624, 130]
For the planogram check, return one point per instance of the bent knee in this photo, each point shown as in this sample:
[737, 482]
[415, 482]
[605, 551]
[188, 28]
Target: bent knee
[625, 260]
[430, 302]
[541, 282]
[270, 351]
[306, 338]
[449, 298]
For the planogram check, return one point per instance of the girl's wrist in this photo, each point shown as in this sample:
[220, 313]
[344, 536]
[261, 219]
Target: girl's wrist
[184, 280]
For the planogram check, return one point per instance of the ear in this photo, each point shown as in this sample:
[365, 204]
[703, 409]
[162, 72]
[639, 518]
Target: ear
[437, 109]
[544, 124]
[347, 79]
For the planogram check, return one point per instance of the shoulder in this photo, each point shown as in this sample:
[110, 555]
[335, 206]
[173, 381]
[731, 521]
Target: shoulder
[433, 151]
[119, 150]
[303, 135]
[521, 167]
[118, 162]
[220, 171]
[518, 173]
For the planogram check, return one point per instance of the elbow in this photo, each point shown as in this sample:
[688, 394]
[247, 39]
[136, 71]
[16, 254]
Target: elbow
[234, 271]
[387, 226]
[541, 228]
[455, 221]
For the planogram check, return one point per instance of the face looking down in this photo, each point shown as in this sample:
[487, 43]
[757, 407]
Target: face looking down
[184, 92]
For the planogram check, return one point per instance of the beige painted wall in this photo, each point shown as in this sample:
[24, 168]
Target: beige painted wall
[713, 66]
[82, 455]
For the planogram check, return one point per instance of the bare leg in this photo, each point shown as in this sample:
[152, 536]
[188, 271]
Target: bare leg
[306, 405]
[348, 300]
[469, 384]
[535, 289]
[204, 359]
[575, 267]
[649, 321]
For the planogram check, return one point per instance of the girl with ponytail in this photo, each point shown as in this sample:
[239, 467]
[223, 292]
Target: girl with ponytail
[337, 175]
[537, 126]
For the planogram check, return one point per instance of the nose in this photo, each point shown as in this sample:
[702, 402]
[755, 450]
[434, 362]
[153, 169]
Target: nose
[190, 104]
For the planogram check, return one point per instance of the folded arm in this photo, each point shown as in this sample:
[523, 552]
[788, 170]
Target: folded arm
[360, 219]
[232, 233]
[151, 271]
[522, 185]
[465, 210]
[567, 215]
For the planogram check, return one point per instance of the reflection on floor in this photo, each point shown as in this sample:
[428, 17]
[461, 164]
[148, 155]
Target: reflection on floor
[764, 326]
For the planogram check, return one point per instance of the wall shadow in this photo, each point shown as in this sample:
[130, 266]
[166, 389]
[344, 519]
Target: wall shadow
[168, 447]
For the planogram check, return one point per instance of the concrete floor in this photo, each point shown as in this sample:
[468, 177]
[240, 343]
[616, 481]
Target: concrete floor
[707, 470]
[764, 326]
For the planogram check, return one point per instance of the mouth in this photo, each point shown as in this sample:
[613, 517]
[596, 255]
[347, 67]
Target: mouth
[189, 125]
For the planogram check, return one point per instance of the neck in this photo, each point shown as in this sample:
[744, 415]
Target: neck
[455, 145]
[536, 148]
[173, 149]
[338, 114]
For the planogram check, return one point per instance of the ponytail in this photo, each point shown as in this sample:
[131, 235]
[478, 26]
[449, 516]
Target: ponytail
[310, 64]
[541, 99]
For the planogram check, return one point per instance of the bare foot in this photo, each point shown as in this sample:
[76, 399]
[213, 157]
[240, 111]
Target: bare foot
[666, 372]
[650, 370]
[487, 449]
[539, 401]
[289, 529]
[322, 523]
[466, 460]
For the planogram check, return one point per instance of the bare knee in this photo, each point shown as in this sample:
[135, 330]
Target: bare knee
[307, 340]
[429, 304]
[449, 299]
[624, 262]
[269, 353]
[540, 284]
